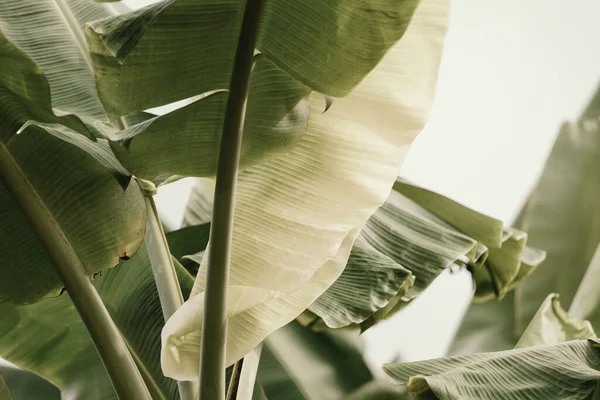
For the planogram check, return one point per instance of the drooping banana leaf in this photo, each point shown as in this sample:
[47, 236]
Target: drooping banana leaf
[141, 58]
[401, 249]
[566, 371]
[26, 385]
[297, 215]
[71, 175]
[562, 216]
[48, 337]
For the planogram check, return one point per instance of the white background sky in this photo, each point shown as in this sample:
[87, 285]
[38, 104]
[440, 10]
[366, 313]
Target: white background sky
[512, 71]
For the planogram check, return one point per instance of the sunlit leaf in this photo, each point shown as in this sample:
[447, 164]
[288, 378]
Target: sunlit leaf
[297, 215]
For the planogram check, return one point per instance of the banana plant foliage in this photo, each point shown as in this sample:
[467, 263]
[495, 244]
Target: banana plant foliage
[300, 364]
[73, 176]
[49, 339]
[561, 216]
[557, 357]
[282, 260]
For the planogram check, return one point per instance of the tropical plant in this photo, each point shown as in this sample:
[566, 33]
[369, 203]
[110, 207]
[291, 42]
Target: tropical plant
[80, 159]
[316, 104]
[556, 355]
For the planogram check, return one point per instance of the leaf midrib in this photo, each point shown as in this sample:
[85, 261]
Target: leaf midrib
[71, 22]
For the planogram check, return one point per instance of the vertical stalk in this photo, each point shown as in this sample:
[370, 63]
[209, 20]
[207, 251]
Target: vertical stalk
[214, 324]
[167, 284]
[119, 364]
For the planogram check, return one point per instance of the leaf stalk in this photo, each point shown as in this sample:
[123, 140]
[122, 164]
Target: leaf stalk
[214, 324]
[120, 366]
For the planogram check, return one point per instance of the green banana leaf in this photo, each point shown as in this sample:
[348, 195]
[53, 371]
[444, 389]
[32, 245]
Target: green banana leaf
[408, 234]
[73, 176]
[4, 392]
[502, 250]
[561, 216]
[548, 364]
[186, 141]
[140, 57]
[25, 385]
[51, 33]
[566, 371]
[553, 325]
[49, 339]
[300, 364]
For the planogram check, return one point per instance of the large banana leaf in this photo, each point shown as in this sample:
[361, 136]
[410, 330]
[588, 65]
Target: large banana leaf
[48, 338]
[566, 371]
[68, 172]
[51, 33]
[545, 369]
[406, 233]
[561, 216]
[295, 218]
[186, 142]
[401, 249]
[140, 58]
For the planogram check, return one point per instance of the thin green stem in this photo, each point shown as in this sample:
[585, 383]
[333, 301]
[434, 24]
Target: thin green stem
[234, 382]
[167, 284]
[214, 324]
[117, 360]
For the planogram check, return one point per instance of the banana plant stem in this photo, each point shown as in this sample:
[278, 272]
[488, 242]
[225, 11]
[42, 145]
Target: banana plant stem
[167, 284]
[119, 364]
[214, 324]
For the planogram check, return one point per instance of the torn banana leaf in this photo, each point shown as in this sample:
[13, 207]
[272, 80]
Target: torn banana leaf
[297, 215]
[73, 176]
[151, 57]
[566, 371]
[405, 235]
[499, 271]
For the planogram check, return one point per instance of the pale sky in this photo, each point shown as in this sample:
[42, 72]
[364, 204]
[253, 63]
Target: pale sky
[511, 72]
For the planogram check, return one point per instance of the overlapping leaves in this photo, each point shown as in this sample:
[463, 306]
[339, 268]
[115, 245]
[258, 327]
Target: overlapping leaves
[562, 217]
[295, 222]
[49, 339]
[71, 174]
